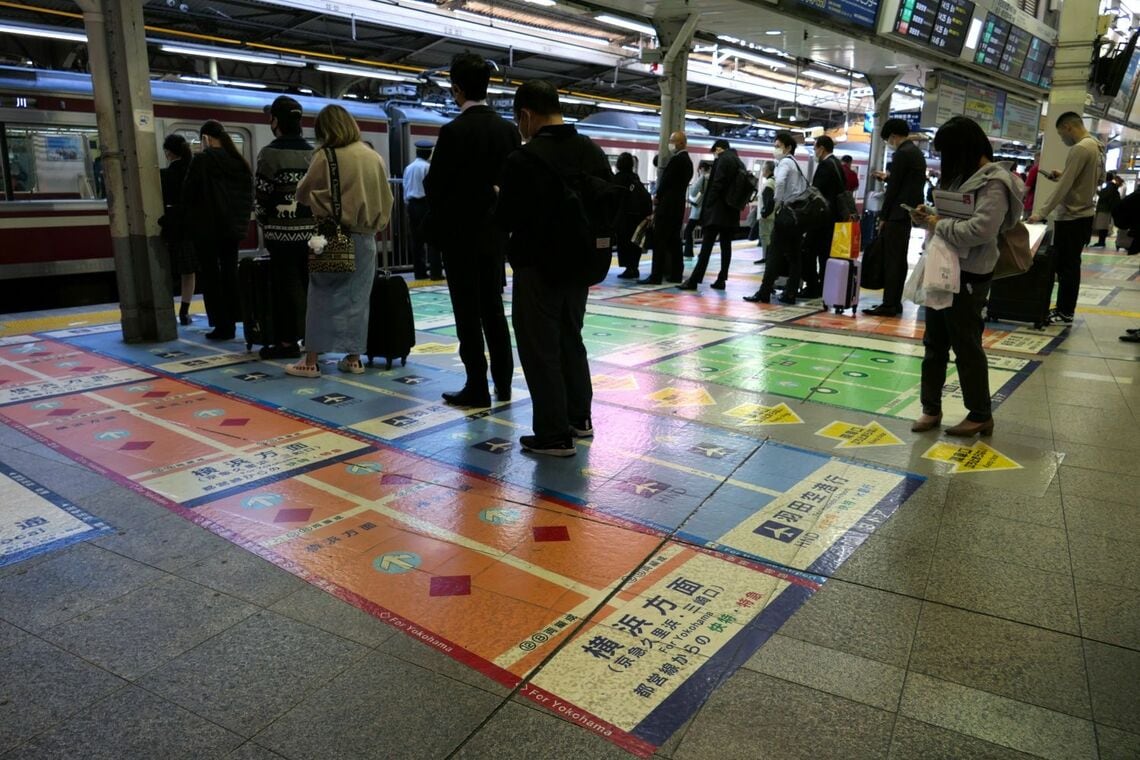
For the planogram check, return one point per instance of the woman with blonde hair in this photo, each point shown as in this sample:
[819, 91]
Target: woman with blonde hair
[337, 317]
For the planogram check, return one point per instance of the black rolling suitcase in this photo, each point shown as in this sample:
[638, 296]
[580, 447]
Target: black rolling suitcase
[391, 328]
[867, 229]
[256, 298]
[1024, 297]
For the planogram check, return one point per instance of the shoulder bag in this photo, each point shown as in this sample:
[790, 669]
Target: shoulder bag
[331, 249]
[808, 209]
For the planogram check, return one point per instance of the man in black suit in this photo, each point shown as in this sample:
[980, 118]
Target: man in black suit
[460, 185]
[831, 182]
[904, 185]
[669, 213]
[718, 219]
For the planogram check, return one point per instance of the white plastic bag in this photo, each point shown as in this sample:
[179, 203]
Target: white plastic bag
[943, 273]
[913, 290]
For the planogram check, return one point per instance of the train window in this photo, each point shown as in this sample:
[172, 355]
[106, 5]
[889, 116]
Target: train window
[190, 132]
[52, 163]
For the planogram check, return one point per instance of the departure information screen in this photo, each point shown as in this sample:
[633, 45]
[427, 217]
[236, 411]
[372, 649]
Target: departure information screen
[941, 25]
[991, 44]
[1035, 58]
[1016, 48]
[864, 13]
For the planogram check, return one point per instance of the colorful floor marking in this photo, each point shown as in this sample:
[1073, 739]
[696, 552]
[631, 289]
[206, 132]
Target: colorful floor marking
[852, 435]
[978, 457]
[34, 519]
[711, 304]
[41, 369]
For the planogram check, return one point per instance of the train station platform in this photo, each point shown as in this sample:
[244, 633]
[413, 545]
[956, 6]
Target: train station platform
[753, 557]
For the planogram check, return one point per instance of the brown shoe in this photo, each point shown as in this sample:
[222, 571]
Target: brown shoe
[926, 422]
[967, 429]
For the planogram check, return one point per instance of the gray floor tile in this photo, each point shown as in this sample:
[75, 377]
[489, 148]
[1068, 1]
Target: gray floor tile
[1117, 745]
[246, 676]
[1022, 543]
[913, 740]
[755, 716]
[168, 542]
[382, 704]
[1100, 458]
[414, 651]
[121, 506]
[1078, 481]
[1002, 657]
[251, 751]
[11, 636]
[1004, 589]
[918, 519]
[521, 732]
[901, 567]
[1109, 613]
[42, 685]
[1114, 678]
[978, 497]
[320, 609]
[1007, 722]
[132, 723]
[845, 675]
[1101, 517]
[241, 573]
[68, 479]
[143, 629]
[1107, 559]
[62, 586]
[866, 622]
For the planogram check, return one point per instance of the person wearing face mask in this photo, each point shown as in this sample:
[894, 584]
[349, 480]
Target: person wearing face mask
[547, 310]
[669, 213]
[460, 186]
[718, 219]
[1074, 202]
[905, 182]
[218, 196]
[783, 255]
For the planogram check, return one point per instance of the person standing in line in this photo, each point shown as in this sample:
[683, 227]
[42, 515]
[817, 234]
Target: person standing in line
[696, 196]
[337, 318]
[904, 186]
[173, 221]
[787, 236]
[718, 219]
[460, 185]
[285, 225]
[765, 219]
[831, 182]
[426, 261]
[967, 167]
[669, 212]
[547, 310]
[218, 196]
[1106, 202]
[1074, 202]
[849, 175]
[636, 206]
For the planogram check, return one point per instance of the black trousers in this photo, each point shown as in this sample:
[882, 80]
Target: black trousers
[425, 256]
[1069, 240]
[896, 241]
[959, 328]
[782, 257]
[289, 278]
[475, 284]
[816, 251]
[548, 327]
[667, 260]
[690, 227]
[217, 260]
[711, 235]
[628, 252]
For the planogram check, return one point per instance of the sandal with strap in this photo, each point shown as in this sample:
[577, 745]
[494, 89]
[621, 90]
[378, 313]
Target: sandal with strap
[301, 369]
[352, 367]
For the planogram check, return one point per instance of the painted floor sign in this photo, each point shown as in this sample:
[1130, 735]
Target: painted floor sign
[33, 519]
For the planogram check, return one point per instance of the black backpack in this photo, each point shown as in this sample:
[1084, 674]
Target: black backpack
[640, 202]
[742, 191]
[582, 225]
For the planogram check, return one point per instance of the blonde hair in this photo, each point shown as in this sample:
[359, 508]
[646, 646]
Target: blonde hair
[336, 128]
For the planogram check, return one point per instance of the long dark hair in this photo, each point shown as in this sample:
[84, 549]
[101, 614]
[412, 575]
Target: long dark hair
[177, 145]
[213, 128]
[962, 144]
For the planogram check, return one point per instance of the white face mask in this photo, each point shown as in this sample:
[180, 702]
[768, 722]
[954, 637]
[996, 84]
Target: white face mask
[673, 148]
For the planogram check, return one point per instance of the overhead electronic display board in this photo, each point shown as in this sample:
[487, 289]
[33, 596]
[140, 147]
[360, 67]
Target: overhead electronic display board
[1047, 72]
[1016, 48]
[1035, 57]
[1120, 105]
[941, 24]
[864, 13]
[991, 44]
[1022, 120]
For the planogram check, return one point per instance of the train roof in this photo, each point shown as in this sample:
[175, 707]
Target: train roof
[162, 91]
[637, 122]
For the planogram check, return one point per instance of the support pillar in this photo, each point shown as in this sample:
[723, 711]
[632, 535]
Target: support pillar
[882, 88]
[124, 114]
[1069, 91]
[676, 35]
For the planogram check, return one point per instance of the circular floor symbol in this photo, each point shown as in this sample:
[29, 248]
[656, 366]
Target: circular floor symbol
[776, 345]
[396, 562]
[205, 414]
[262, 501]
[602, 334]
[707, 369]
[112, 435]
[853, 373]
[825, 390]
[882, 360]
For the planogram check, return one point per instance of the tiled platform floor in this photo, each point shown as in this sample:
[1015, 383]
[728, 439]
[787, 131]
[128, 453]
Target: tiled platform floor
[994, 614]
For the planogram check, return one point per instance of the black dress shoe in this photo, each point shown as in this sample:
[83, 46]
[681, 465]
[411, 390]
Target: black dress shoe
[220, 334]
[882, 311]
[650, 281]
[687, 285]
[759, 297]
[809, 293]
[467, 397]
[629, 274]
[758, 262]
[502, 393]
[718, 285]
[674, 280]
[786, 300]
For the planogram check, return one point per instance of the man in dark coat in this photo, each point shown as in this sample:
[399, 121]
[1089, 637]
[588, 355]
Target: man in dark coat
[718, 219]
[460, 185]
[904, 186]
[669, 213]
[831, 182]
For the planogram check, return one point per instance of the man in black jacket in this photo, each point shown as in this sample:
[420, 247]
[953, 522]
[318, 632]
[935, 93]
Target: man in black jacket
[547, 311]
[669, 213]
[460, 185]
[904, 185]
[718, 219]
[831, 182]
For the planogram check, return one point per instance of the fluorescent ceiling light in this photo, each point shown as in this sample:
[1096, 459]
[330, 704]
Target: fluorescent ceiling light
[230, 55]
[625, 107]
[434, 105]
[625, 23]
[43, 31]
[543, 3]
[760, 59]
[773, 32]
[825, 77]
[576, 101]
[726, 120]
[354, 71]
[223, 82]
[974, 33]
[495, 89]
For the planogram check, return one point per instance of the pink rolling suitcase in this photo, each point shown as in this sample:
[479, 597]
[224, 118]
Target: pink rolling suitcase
[841, 285]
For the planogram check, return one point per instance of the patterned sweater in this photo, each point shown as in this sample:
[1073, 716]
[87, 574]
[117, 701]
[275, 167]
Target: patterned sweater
[280, 166]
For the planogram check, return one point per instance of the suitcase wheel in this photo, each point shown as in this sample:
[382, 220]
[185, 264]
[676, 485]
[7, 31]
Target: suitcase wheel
[838, 310]
[853, 309]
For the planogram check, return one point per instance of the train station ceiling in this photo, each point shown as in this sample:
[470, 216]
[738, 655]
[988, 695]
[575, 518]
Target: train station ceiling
[748, 61]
